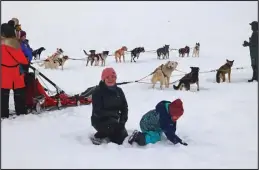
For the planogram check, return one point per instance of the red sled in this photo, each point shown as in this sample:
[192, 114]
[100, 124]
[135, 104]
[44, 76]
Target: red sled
[38, 100]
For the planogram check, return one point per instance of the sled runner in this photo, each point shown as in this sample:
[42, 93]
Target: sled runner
[37, 99]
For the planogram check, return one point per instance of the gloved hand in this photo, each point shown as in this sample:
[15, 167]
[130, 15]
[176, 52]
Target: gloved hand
[21, 68]
[245, 44]
[183, 143]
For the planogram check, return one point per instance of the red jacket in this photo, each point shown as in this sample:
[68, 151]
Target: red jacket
[12, 56]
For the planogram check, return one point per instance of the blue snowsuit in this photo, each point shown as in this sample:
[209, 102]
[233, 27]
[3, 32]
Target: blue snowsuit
[27, 51]
[156, 121]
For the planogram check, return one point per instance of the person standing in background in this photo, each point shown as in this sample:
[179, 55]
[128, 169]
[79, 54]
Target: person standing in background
[11, 77]
[253, 47]
[26, 50]
[17, 27]
[21, 35]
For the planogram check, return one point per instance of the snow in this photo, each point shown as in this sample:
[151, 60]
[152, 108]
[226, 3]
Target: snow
[219, 123]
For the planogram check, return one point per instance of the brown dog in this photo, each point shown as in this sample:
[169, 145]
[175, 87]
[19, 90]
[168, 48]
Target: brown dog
[183, 51]
[54, 63]
[120, 52]
[223, 70]
[163, 74]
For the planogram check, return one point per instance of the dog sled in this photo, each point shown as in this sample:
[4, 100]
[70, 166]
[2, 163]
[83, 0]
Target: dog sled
[38, 100]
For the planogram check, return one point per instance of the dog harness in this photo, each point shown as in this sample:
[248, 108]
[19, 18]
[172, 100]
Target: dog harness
[59, 60]
[163, 71]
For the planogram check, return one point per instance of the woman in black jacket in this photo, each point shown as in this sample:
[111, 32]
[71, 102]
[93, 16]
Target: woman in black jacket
[110, 109]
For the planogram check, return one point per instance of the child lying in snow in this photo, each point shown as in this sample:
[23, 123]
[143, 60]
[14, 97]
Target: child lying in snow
[161, 119]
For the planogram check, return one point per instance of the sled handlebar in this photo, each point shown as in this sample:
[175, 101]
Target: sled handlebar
[59, 90]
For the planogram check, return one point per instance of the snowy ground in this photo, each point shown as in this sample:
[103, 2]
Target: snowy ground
[219, 123]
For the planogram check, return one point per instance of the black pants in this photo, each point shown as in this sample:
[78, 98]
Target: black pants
[19, 102]
[114, 132]
[255, 72]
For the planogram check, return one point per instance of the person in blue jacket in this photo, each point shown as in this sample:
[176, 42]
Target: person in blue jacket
[160, 120]
[26, 50]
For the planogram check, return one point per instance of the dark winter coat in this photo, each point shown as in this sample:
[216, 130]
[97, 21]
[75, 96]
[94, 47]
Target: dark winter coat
[253, 47]
[166, 123]
[109, 106]
[159, 120]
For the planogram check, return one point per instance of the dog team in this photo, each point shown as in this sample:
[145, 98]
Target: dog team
[55, 60]
[96, 58]
[163, 73]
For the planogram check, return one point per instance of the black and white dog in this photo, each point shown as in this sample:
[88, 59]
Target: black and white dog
[91, 57]
[102, 57]
[163, 51]
[96, 58]
[136, 52]
[37, 52]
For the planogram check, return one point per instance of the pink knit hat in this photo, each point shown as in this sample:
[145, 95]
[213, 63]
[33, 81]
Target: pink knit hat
[108, 72]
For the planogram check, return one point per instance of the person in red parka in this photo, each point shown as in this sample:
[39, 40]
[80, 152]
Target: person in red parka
[11, 77]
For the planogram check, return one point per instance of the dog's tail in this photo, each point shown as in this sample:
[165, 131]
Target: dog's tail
[177, 87]
[85, 53]
[158, 53]
[218, 76]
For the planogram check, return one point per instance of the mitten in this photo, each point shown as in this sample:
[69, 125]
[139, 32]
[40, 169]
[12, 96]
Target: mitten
[245, 44]
[183, 143]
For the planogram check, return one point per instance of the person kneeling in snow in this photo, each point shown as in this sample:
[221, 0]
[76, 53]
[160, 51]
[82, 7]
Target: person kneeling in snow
[161, 119]
[110, 110]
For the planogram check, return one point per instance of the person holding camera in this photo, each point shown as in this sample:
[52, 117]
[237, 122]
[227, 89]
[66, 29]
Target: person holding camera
[253, 47]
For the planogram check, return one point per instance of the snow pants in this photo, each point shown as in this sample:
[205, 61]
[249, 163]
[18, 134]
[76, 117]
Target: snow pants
[114, 132]
[19, 102]
[151, 136]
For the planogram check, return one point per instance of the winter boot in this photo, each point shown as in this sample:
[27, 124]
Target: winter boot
[137, 137]
[99, 141]
[251, 80]
[96, 141]
[99, 138]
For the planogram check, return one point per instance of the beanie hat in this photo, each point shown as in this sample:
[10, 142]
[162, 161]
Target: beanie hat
[11, 23]
[254, 25]
[176, 108]
[108, 72]
[16, 21]
[22, 33]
